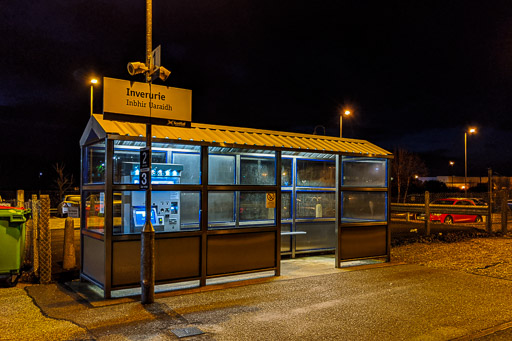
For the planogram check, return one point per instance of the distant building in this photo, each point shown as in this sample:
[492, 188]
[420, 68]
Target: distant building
[458, 181]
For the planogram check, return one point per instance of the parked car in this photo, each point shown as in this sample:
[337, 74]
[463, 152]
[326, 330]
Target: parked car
[450, 218]
[98, 204]
[69, 201]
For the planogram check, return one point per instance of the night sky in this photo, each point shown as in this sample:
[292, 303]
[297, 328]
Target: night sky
[416, 74]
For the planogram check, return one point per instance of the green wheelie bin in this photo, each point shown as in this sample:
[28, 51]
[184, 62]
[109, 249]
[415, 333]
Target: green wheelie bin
[12, 243]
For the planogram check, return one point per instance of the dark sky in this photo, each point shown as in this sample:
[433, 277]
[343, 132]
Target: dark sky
[415, 73]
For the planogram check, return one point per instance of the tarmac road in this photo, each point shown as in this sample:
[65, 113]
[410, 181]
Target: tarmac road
[391, 302]
[380, 302]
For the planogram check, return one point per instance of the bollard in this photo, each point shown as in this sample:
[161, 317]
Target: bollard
[69, 260]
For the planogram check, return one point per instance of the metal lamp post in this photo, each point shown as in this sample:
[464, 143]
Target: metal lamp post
[346, 112]
[93, 81]
[470, 131]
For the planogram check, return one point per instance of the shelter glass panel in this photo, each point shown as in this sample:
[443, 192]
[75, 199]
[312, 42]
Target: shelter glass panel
[221, 169]
[171, 211]
[286, 205]
[364, 172]
[236, 209]
[286, 172]
[316, 173]
[364, 206]
[233, 166]
[316, 204]
[286, 239]
[94, 171]
[171, 164]
[256, 170]
[95, 212]
[318, 236]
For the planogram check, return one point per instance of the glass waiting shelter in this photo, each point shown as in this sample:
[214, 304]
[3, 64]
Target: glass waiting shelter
[227, 201]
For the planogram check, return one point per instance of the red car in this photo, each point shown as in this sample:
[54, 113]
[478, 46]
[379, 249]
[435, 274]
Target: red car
[448, 218]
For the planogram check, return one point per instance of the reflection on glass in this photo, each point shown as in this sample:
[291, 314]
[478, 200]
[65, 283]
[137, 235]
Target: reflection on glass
[314, 173]
[221, 169]
[286, 205]
[172, 211]
[234, 209]
[257, 171]
[95, 170]
[364, 206]
[253, 206]
[94, 212]
[171, 164]
[319, 235]
[191, 173]
[286, 240]
[316, 204]
[221, 207]
[364, 172]
[286, 172]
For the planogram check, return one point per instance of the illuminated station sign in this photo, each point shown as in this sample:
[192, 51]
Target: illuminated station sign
[146, 103]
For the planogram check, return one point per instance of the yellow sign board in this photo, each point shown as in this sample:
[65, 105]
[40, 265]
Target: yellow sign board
[135, 101]
[271, 200]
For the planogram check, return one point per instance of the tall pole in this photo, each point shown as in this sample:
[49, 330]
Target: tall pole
[465, 164]
[341, 123]
[147, 253]
[344, 112]
[92, 86]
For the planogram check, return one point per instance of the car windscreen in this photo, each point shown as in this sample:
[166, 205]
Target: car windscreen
[73, 198]
[442, 202]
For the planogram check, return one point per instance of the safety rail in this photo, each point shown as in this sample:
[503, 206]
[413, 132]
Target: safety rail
[427, 209]
[452, 209]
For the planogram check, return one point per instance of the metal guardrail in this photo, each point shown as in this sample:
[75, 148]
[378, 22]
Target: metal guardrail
[451, 209]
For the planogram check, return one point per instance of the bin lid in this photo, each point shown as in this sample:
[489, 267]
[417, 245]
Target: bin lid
[14, 214]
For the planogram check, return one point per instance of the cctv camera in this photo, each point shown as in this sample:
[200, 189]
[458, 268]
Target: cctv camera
[134, 68]
[164, 73]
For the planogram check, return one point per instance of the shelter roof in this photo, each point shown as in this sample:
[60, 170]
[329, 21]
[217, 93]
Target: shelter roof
[233, 137]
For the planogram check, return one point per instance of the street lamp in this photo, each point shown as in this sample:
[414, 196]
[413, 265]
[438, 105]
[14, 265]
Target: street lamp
[470, 131]
[93, 81]
[451, 165]
[346, 113]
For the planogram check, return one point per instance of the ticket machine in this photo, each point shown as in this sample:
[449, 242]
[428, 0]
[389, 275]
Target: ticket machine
[165, 205]
[165, 210]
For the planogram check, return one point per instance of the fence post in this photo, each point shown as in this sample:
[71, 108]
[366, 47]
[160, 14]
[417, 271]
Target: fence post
[35, 235]
[489, 216]
[20, 198]
[45, 245]
[504, 211]
[427, 213]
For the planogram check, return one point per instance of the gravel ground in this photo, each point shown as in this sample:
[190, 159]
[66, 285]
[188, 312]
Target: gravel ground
[488, 256]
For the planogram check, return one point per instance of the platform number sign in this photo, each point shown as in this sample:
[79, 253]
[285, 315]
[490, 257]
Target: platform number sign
[144, 180]
[144, 168]
[144, 159]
